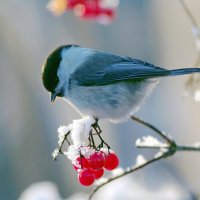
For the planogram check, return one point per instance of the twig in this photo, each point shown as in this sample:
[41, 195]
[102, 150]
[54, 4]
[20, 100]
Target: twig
[169, 149]
[98, 130]
[148, 125]
[127, 171]
[63, 141]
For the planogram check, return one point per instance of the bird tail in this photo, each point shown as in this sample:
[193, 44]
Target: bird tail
[177, 72]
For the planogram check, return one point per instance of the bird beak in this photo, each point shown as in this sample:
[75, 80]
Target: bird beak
[53, 97]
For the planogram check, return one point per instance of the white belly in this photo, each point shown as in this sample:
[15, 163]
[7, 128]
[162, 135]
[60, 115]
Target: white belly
[115, 102]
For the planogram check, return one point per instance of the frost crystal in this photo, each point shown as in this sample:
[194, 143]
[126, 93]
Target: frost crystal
[149, 141]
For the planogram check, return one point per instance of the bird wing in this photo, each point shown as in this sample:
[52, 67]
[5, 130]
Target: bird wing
[104, 69]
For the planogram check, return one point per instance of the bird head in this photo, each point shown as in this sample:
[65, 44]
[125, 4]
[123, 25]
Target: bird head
[50, 77]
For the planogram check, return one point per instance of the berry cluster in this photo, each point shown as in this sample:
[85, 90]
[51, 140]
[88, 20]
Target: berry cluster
[102, 11]
[92, 167]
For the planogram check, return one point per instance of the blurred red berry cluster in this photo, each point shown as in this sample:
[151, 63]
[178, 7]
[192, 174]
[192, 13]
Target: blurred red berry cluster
[102, 11]
[92, 167]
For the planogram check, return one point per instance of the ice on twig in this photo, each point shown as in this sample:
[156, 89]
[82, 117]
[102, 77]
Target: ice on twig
[118, 171]
[161, 152]
[140, 160]
[62, 131]
[80, 130]
[55, 153]
[101, 181]
[74, 152]
[149, 141]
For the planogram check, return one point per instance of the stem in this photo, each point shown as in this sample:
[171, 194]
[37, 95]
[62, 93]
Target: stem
[98, 132]
[188, 148]
[65, 139]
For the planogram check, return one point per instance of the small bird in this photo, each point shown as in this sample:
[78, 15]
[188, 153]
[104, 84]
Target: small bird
[100, 84]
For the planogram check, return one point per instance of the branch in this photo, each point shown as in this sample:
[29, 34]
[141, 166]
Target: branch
[153, 128]
[165, 150]
[125, 172]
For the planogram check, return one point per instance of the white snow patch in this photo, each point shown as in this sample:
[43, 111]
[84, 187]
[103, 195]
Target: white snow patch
[80, 130]
[55, 153]
[149, 141]
[140, 160]
[118, 171]
[100, 181]
[62, 131]
[74, 152]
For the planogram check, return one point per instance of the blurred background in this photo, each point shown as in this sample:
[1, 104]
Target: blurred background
[156, 31]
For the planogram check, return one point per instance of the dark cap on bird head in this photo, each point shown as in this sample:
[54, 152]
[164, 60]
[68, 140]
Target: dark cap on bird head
[50, 67]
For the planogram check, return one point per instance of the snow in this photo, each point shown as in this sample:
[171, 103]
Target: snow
[74, 152]
[140, 160]
[118, 171]
[45, 190]
[100, 181]
[62, 131]
[149, 141]
[80, 130]
[55, 153]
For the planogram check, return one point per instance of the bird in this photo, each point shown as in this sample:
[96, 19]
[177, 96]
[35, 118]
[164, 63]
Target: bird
[100, 84]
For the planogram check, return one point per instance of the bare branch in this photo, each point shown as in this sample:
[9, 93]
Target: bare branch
[153, 128]
[125, 172]
[169, 149]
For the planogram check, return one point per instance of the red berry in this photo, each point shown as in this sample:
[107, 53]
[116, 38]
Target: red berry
[86, 177]
[97, 160]
[81, 163]
[98, 173]
[112, 161]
